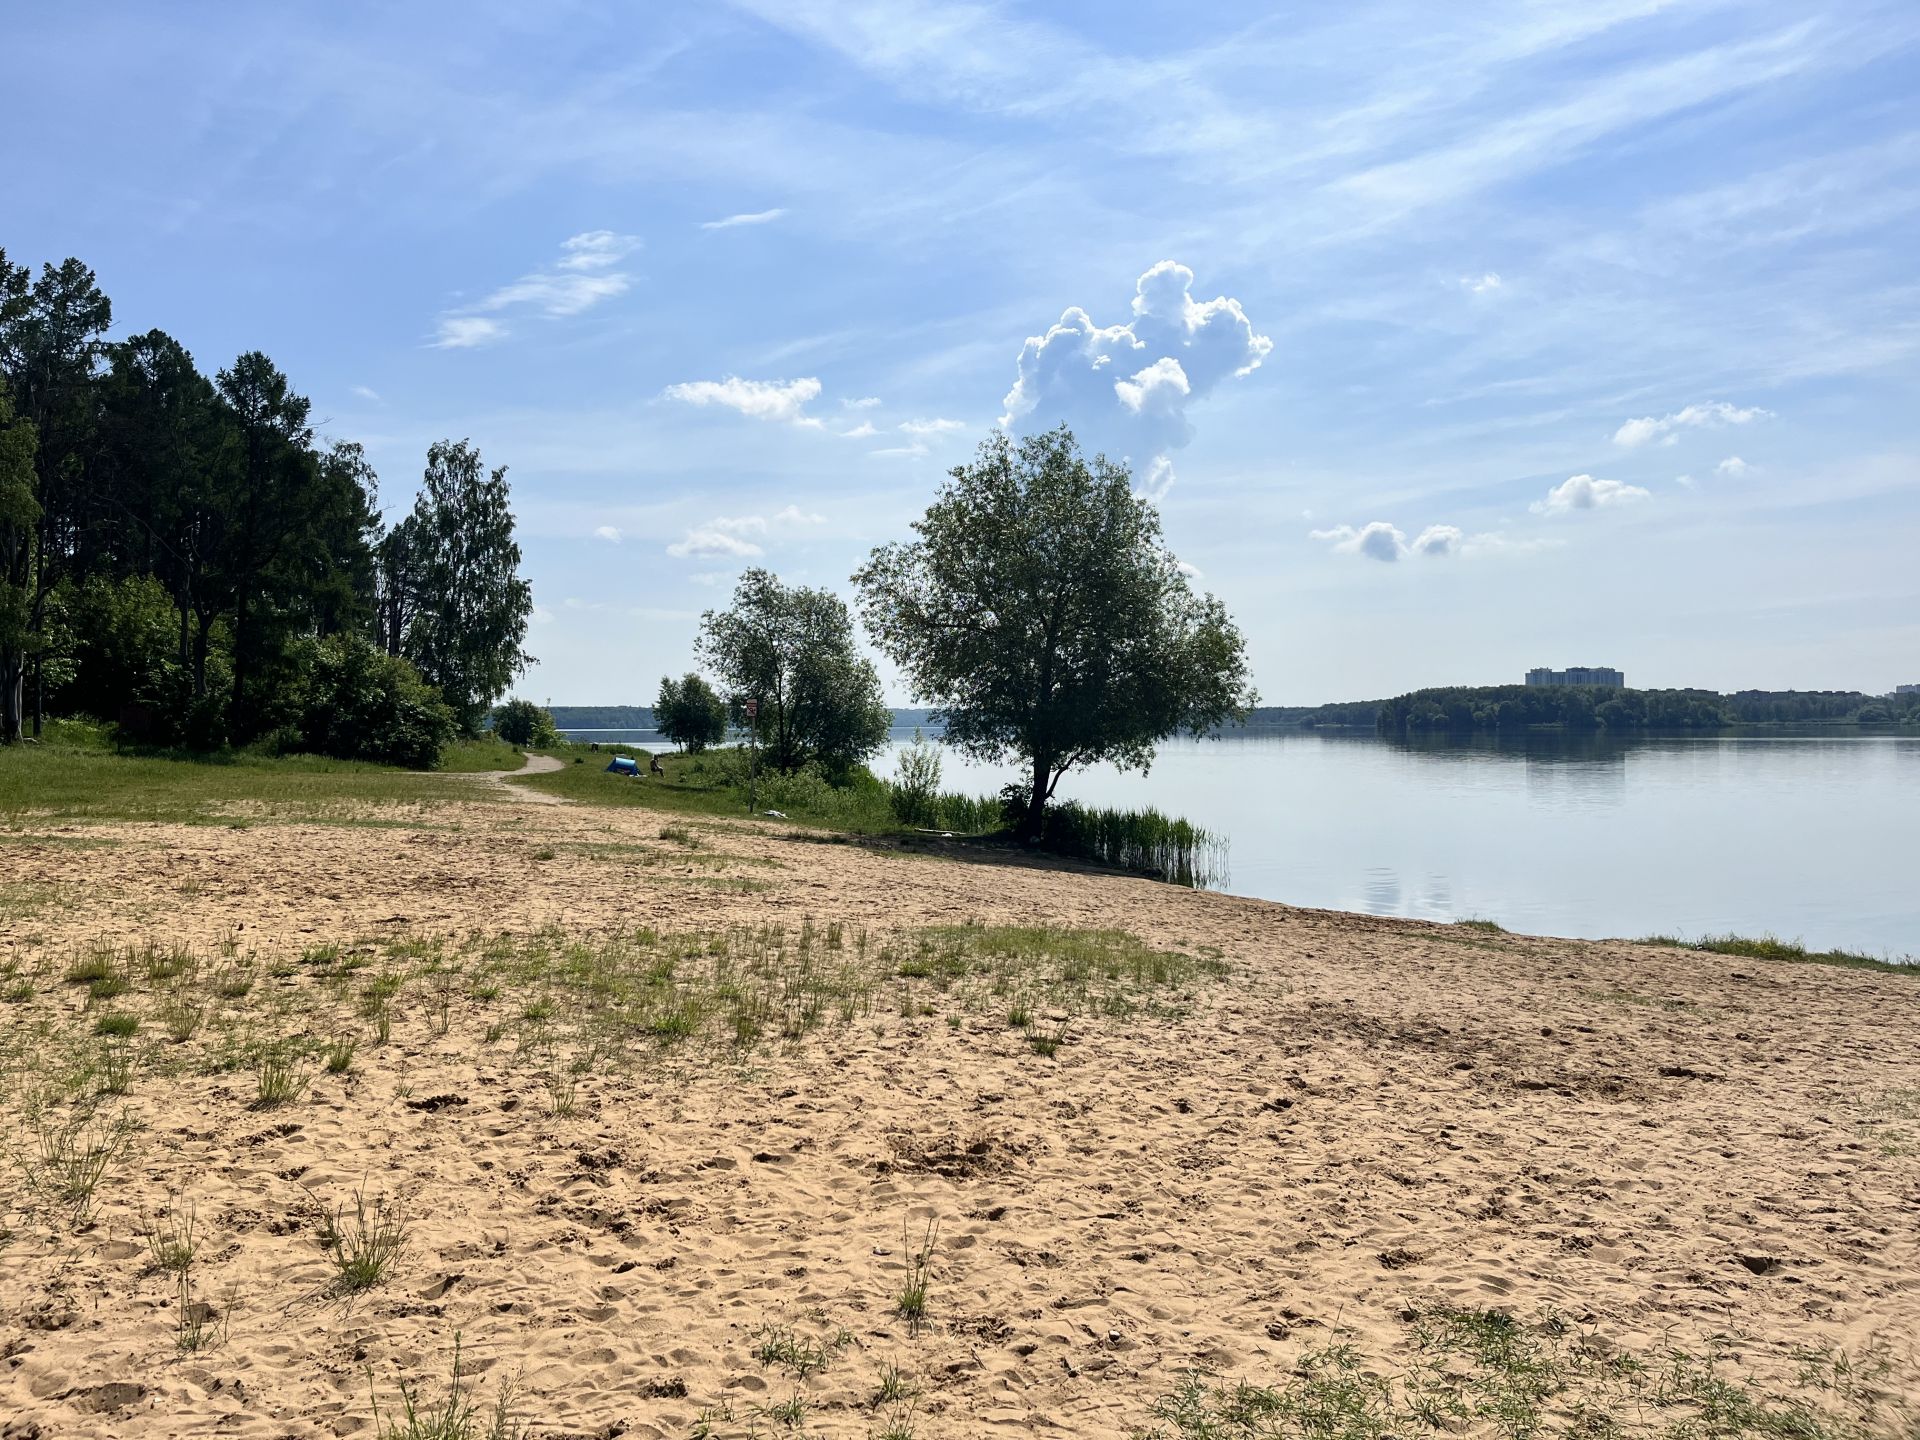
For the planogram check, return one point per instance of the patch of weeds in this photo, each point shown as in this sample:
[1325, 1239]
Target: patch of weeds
[1891, 1120]
[71, 1158]
[337, 1055]
[894, 1388]
[1480, 923]
[281, 1077]
[790, 1413]
[115, 1070]
[1486, 1373]
[1047, 1039]
[117, 1024]
[455, 1416]
[182, 1018]
[803, 1355]
[911, 1303]
[365, 1244]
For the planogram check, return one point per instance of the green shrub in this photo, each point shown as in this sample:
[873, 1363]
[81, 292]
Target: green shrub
[917, 789]
[526, 725]
[358, 703]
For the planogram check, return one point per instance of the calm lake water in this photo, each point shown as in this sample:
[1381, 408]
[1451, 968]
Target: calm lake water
[1808, 836]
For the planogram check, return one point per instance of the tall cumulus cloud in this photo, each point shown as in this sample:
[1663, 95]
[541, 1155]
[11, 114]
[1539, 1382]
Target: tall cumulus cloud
[1126, 389]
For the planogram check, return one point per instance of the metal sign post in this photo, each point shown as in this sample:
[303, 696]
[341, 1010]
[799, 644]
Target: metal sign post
[753, 753]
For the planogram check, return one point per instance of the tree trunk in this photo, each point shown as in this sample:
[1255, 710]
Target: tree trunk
[39, 697]
[13, 672]
[1037, 799]
[236, 709]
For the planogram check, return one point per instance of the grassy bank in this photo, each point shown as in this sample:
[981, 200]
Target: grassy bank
[1140, 841]
[1766, 947]
[76, 772]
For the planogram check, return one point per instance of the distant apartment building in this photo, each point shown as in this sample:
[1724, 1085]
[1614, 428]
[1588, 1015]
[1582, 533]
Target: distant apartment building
[1578, 675]
[1906, 689]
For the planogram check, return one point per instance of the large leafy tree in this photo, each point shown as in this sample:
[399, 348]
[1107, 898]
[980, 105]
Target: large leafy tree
[790, 649]
[690, 712]
[1042, 615]
[470, 603]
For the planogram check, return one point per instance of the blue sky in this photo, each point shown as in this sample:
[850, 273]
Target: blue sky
[1550, 334]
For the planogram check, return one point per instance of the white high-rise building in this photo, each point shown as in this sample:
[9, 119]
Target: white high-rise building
[1579, 675]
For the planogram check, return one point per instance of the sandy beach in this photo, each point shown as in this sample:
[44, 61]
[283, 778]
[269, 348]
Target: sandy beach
[1319, 1128]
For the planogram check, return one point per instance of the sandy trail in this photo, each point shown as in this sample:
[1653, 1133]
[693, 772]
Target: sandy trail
[1368, 1117]
[496, 780]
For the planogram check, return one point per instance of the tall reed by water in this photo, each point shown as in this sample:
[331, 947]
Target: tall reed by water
[1143, 841]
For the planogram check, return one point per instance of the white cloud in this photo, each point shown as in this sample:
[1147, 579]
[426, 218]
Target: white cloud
[1733, 467]
[1665, 428]
[1485, 285]
[860, 431]
[596, 250]
[463, 332]
[1684, 481]
[1126, 389]
[367, 393]
[932, 427]
[864, 402]
[1583, 492]
[558, 292]
[757, 217]
[896, 450]
[1192, 572]
[607, 532]
[1158, 480]
[580, 279]
[725, 535]
[1387, 543]
[1376, 541]
[710, 543]
[782, 400]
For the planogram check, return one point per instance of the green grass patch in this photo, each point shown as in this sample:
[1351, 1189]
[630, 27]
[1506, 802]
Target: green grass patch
[1766, 947]
[1486, 1373]
[74, 775]
[489, 752]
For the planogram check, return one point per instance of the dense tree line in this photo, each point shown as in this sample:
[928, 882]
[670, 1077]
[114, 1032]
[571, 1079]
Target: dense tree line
[1585, 707]
[183, 555]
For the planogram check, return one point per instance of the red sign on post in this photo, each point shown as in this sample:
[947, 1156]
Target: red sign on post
[753, 708]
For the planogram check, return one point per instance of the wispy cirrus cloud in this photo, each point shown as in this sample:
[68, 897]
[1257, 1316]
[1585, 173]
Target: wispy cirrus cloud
[756, 217]
[725, 536]
[464, 332]
[932, 427]
[609, 533]
[582, 277]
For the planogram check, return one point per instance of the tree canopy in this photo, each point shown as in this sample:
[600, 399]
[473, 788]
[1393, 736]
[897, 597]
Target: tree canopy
[790, 649]
[175, 549]
[690, 713]
[1043, 617]
[470, 605]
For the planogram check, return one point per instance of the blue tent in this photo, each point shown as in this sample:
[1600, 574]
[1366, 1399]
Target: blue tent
[624, 765]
